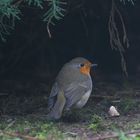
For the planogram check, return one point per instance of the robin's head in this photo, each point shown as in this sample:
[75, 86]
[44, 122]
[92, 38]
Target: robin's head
[82, 64]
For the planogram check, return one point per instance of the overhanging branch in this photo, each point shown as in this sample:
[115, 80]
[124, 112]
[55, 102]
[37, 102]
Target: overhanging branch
[116, 41]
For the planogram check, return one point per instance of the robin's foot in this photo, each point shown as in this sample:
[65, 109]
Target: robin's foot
[71, 116]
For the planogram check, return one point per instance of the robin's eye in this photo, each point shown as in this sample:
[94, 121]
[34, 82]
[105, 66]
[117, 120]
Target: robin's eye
[82, 65]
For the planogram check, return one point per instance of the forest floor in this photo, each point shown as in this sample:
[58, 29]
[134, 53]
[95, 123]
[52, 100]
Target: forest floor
[23, 110]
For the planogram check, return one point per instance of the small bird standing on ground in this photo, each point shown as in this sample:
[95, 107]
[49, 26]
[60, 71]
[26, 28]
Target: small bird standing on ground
[72, 87]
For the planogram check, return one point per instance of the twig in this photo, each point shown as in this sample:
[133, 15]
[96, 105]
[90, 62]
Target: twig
[115, 135]
[71, 133]
[103, 96]
[9, 125]
[19, 135]
[48, 29]
[129, 93]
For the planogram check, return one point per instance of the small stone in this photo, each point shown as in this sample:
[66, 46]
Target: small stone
[113, 112]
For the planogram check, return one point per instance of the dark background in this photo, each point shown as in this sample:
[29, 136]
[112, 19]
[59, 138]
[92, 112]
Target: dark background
[29, 53]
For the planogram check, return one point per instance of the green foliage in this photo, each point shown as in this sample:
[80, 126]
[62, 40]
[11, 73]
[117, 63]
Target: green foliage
[122, 136]
[33, 128]
[127, 105]
[38, 3]
[55, 11]
[96, 123]
[137, 126]
[137, 137]
[8, 14]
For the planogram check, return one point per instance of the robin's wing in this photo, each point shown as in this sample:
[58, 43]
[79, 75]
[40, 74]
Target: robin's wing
[57, 109]
[75, 91]
[53, 95]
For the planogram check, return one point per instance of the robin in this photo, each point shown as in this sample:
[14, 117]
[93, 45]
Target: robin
[72, 87]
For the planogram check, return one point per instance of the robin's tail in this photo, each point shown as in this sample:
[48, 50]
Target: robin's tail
[56, 111]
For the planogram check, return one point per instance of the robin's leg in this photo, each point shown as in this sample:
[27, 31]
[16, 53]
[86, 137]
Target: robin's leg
[71, 115]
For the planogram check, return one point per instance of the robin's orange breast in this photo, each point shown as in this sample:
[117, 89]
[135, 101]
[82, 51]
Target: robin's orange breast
[86, 68]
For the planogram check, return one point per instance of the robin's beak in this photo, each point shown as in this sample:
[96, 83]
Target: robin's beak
[94, 65]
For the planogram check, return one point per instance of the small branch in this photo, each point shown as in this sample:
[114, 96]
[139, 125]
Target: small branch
[115, 41]
[9, 125]
[104, 96]
[19, 135]
[115, 135]
[71, 133]
[48, 29]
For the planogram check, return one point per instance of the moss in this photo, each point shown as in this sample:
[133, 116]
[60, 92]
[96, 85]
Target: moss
[33, 128]
[96, 123]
